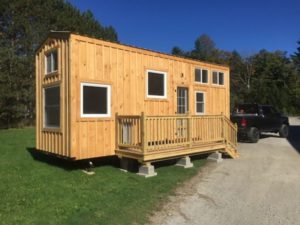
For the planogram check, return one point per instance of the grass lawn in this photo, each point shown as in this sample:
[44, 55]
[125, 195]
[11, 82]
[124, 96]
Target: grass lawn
[38, 189]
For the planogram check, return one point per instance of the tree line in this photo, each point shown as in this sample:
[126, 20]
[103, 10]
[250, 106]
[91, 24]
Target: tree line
[264, 77]
[24, 24]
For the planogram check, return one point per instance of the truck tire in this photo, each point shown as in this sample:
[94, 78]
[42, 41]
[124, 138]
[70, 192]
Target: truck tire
[284, 131]
[253, 135]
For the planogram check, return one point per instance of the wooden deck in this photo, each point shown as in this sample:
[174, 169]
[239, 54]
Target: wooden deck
[154, 138]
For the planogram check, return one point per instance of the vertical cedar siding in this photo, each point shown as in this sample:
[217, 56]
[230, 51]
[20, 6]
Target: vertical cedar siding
[53, 140]
[83, 59]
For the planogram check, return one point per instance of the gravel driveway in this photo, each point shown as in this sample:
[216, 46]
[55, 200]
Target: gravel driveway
[261, 187]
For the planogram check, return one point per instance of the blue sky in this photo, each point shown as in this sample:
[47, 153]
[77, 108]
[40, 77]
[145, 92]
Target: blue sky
[246, 25]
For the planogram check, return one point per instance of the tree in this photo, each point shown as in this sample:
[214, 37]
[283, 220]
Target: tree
[23, 26]
[205, 50]
[296, 62]
[274, 81]
[178, 51]
[237, 71]
[296, 58]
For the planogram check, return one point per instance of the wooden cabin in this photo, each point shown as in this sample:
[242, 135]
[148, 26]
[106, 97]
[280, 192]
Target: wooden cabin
[96, 98]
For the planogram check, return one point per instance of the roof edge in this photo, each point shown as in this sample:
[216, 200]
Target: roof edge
[66, 34]
[53, 34]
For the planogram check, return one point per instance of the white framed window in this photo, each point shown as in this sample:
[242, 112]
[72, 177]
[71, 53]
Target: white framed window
[51, 64]
[218, 78]
[95, 100]
[199, 102]
[156, 84]
[201, 75]
[52, 107]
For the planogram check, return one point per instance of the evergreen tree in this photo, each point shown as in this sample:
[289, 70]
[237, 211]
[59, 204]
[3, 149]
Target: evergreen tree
[24, 24]
[296, 62]
[296, 58]
[237, 78]
[178, 51]
[274, 81]
[205, 49]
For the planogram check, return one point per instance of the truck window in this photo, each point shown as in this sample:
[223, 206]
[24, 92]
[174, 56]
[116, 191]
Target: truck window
[269, 110]
[246, 109]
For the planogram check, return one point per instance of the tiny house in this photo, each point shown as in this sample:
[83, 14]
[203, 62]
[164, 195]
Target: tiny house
[96, 98]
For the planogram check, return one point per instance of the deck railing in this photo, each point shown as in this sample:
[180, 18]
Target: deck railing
[230, 132]
[153, 133]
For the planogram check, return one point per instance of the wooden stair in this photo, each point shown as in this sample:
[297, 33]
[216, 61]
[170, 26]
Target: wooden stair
[231, 151]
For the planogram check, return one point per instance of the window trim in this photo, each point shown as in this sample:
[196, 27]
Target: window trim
[46, 64]
[44, 109]
[204, 103]
[108, 87]
[201, 69]
[165, 96]
[218, 78]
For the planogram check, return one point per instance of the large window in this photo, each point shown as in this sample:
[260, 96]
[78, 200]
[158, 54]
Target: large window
[156, 84]
[218, 77]
[201, 75]
[200, 102]
[51, 62]
[95, 100]
[52, 107]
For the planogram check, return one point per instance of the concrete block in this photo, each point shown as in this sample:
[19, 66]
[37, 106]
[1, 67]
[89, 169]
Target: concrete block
[215, 157]
[147, 170]
[88, 172]
[185, 162]
[126, 164]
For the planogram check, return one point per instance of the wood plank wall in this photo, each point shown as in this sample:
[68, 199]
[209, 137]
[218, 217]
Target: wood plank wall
[124, 68]
[53, 140]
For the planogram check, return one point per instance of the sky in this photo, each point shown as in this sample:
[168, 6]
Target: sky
[243, 25]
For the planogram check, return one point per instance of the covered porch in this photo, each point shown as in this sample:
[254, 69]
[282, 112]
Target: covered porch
[154, 138]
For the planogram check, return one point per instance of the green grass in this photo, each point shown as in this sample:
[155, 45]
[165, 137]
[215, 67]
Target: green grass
[38, 189]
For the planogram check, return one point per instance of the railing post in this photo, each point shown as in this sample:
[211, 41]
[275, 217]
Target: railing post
[190, 138]
[143, 132]
[223, 128]
[117, 138]
[235, 134]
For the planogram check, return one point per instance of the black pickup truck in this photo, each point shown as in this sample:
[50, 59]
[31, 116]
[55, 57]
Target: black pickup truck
[252, 119]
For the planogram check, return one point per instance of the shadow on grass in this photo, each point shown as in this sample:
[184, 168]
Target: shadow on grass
[113, 161]
[172, 162]
[294, 137]
[70, 165]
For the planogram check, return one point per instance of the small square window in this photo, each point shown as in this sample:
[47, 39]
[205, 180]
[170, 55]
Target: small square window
[54, 61]
[218, 78]
[95, 100]
[215, 77]
[48, 63]
[51, 62]
[201, 75]
[200, 102]
[198, 75]
[199, 97]
[204, 76]
[221, 78]
[156, 84]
